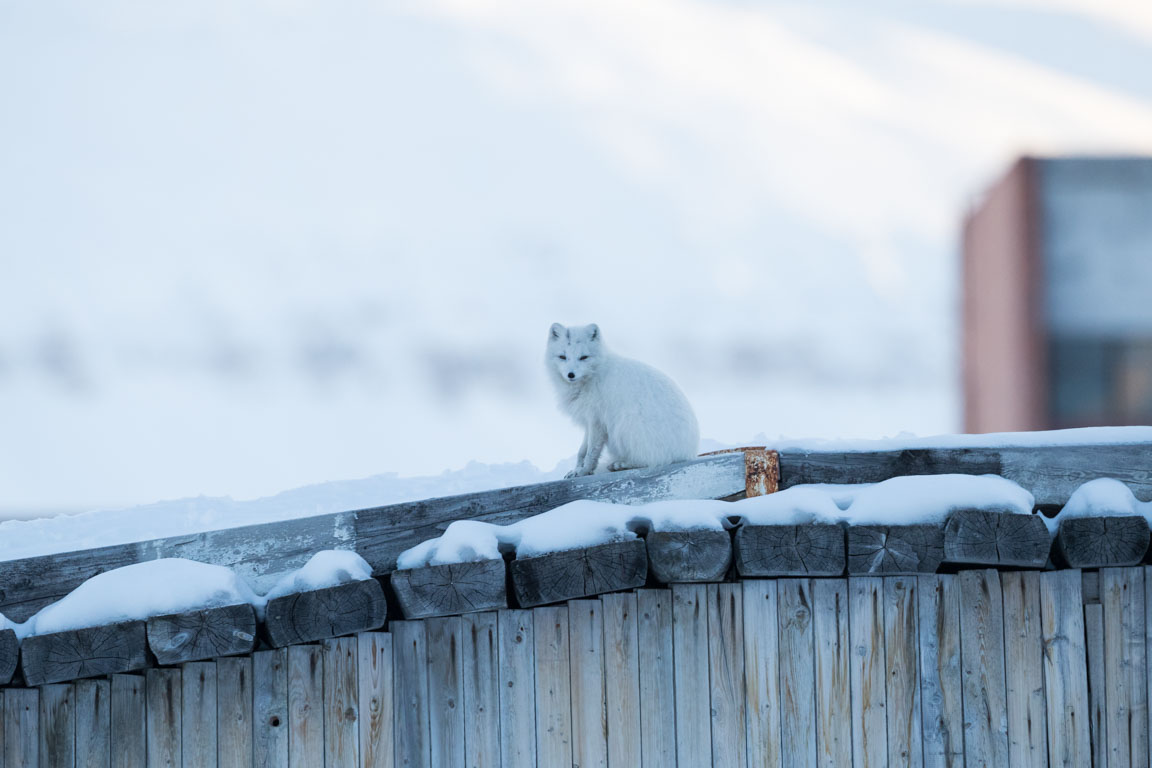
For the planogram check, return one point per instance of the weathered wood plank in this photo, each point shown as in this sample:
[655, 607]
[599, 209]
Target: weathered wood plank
[901, 644]
[726, 673]
[812, 549]
[867, 668]
[305, 706]
[270, 709]
[481, 672]
[374, 670]
[447, 590]
[9, 655]
[686, 556]
[129, 721]
[1125, 671]
[996, 538]
[446, 691]
[234, 699]
[164, 712]
[57, 726]
[797, 667]
[341, 706]
[1065, 669]
[622, 678]
[576, 573]
[833, 683]
[517, 689]
[895, 549]
[199, 717]
[410, 681]
[225, 631]
[21, 726]
[1098, 542]
[553, 685]
[1098, 720]
[356, 606]
[586, 641]
[1024, 673]
[93, 724]
[940, 673]
[982, 652]
[761, 678]
[93, 652]
[654, 636]
[690, 648]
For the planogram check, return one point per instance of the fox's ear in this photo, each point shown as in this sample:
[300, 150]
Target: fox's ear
[556, 329]
[593, 332]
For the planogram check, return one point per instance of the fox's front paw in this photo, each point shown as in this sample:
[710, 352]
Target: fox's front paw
[578, 472]
[620, 466]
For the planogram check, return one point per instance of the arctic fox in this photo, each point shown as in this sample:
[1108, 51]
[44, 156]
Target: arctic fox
[634, 410]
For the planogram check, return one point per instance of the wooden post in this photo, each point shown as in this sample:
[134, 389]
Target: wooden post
[234, 698]
[206, 634]
[481, 669]
[686, 556]
[270, 709]
[1065, 669]
[304, 617]
[447, 590]
[374, 669]
[93, 724]
[57, 726]
[129, 712]
[560, 576]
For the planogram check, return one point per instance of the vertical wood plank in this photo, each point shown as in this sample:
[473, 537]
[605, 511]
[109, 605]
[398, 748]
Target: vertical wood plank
[270, 709]
[165, 700]
[797, 670]
[761, 672]
[341, 704]
[553, 686]
[867, 668]
[622, 678]
[57, 726]
[982, 633]
[305, 706]
[517, 690]
[21, 714]
[833, 684]
[374, 670]
[690, 647]
[1126, 681]
[481, 670]
[1023, 670]
[445, 691]
[589, 725]
[1065, 669]
[234, 711]
[940, 673]
[901, 644]
[93, 723]
[1094, 644]
[726, 674]
[129, 721]
[410, 675]
[657, 678]
[199, 714]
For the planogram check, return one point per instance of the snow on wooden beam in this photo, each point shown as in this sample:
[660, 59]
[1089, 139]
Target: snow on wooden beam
[356, 606]
[1098, 542]
[446, 590]
[993, 538]
[213, 632]
[91, 652]
[560, 576]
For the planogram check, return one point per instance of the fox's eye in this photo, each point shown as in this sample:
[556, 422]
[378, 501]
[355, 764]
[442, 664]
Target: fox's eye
[563, 357]
[584, 357]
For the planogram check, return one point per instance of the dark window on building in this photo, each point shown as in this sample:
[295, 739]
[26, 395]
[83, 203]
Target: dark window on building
[1101, 382]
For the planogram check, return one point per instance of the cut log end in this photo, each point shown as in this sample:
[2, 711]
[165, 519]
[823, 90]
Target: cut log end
[9, 655]
[445, 590]
[893, 549]
[356, 606]
[1098, 542]
[813, 549]
[78, 653]
[206, 634]
[688, 556]
[996, 538]
[559, 576]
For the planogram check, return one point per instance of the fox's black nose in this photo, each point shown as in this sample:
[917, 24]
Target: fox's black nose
[571, 375]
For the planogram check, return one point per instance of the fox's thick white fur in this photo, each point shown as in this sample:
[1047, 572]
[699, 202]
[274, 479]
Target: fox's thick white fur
[630, 408]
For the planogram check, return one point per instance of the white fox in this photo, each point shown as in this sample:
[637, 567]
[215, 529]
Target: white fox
[634, 410]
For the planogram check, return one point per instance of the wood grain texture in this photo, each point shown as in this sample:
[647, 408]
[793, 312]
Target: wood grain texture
[481, 671]
[446, 691]
[305, 706]
[589, 723]
[234, 697]
[622, 678]
[996, 538]
[576, 573]
[867, 669]
[1024, 673]
[686, 556]
[761, 679]
[57, 726]
[982, 652]
[1094, 646]
[1099, 542]
[21, 726]
[225, 631]
[9, 655]
[690, 646]
[833, 678]
[355, 606]
[797, 669]
[1125, 670]
[1065, 669]
[895, 549]
[129, 721]
[726, 674]
[410, 686]
[164, 713]
[270, 709]
[447, 590]
[199, 716]
[341, 703]
[93, 652]
[374, 672]
[553, 685]
[93, 723]
[901, 652]
[812, 549]
[940, 672]
[656, 660]
[517, 689]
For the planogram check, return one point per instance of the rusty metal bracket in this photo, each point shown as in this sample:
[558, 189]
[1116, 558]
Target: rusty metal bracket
[761, 469]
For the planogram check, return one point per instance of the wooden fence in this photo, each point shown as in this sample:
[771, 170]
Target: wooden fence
[978, 668]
